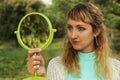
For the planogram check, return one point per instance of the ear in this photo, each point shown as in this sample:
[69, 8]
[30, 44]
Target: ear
[97, 32]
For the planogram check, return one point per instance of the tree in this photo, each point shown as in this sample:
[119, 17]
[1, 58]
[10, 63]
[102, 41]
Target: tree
[112, 15]
[11, 11]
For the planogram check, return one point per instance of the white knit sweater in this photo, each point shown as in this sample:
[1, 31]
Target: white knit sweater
[56, 70]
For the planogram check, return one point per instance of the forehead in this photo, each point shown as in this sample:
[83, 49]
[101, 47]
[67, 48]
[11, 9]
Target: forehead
[76, 23]
[73, 22]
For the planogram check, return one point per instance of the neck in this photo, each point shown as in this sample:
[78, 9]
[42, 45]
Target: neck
[89, 48]
[86, 51]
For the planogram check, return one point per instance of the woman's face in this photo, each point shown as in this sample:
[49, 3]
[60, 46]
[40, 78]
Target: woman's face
[80, 35]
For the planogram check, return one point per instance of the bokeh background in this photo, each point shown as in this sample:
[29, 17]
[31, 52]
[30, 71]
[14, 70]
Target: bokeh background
[13, 57]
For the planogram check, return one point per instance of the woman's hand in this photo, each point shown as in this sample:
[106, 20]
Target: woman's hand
[35, 63]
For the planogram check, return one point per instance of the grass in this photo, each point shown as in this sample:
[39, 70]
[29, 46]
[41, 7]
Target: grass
[13, 60]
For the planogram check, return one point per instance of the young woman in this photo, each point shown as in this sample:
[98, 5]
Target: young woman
[86, 54]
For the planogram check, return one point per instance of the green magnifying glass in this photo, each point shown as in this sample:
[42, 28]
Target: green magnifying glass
[35, 31]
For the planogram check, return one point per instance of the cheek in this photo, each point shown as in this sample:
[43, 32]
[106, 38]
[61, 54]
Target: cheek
[87, 37]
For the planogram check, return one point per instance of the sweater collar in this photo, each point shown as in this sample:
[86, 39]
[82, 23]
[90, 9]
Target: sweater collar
[87, 56]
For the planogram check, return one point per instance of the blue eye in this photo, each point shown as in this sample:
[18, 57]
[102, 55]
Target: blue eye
[81, 28]
[69, 27]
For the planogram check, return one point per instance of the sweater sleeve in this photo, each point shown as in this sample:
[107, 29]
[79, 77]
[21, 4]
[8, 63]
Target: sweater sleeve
[115, 69]
[55, 70]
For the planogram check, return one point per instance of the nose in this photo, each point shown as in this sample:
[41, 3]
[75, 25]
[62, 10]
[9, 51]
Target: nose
[74, 34]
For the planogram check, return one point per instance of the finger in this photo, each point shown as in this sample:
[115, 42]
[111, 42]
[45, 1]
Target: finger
[33, 67]
[33, 51]
[30, 69]
[42, 61]
[37, 60]
[41, 71]
[30, 64]
[36, 67]
[36, 63]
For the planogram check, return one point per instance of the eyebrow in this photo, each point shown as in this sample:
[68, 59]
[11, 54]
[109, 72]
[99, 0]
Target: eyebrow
[76, 25]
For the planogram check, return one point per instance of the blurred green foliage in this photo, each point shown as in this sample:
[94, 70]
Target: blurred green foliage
[11, 61]
[11, 11]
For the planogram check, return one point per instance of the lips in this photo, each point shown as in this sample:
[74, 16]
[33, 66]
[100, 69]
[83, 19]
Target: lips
[75, 42]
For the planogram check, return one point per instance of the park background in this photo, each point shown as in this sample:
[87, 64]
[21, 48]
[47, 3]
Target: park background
[13, 57]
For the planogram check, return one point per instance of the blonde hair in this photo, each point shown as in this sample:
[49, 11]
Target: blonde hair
[90, 14]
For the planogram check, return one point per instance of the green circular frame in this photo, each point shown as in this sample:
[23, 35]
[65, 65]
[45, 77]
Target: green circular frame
[51, 33]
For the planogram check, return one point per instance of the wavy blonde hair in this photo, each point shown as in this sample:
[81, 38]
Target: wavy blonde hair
[90, 14]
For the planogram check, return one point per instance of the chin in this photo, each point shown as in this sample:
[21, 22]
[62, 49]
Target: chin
[77, 48]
